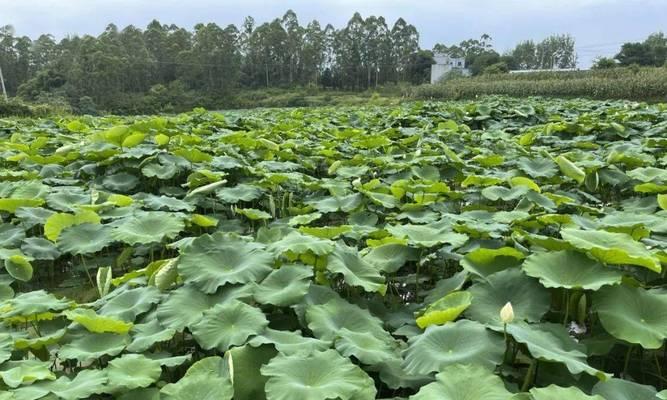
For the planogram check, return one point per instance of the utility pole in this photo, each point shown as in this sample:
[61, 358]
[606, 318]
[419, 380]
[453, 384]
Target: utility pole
[2, 82]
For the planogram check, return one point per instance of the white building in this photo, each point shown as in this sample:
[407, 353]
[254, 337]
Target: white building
[444, 63]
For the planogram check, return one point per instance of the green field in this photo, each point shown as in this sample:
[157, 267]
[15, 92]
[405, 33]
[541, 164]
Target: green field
[628, 83]
[337, 253]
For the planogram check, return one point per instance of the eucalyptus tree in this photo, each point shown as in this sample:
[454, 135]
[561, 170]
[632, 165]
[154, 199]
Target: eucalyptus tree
[405, 41]
[313, 53]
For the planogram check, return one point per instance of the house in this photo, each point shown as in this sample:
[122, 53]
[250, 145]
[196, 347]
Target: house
[444, 63]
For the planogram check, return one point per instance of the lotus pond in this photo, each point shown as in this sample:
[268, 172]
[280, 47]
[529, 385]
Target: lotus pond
[337, 253]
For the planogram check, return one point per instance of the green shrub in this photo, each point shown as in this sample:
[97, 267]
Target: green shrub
[14, 108]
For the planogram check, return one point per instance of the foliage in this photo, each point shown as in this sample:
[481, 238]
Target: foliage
[337, 253]
[641, 84]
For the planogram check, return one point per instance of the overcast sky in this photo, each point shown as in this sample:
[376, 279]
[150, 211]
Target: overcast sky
[599, 26]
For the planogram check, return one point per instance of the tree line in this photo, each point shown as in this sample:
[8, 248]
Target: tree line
[210, 60]
[652, 52]
[135, 69]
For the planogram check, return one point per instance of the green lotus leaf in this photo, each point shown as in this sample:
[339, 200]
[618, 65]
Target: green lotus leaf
[159, 170]
[25, 372]
[326, 319]
[635, 315]
[11, 236]
[317, 376]
[241, 192]
[31, 216]
[6, 291]
[650, 187]
[529, 299]
[185, 306]
[203, 185]
[40, 249]
[199, 387]
[146, 335]
[47, 336]
[207, 379]
[368, 349]
[326, 232]
[85, 384]
[213, 366]
[97, 323]
[169, 361]
[214, 260]
[91, 346]
[612, 248]
[121, 182]
[621, 389]
[662, 201]
[228, 324]
[245, 363]
[203, 220]
[552, 342]
[445, 286]
[570, 270]
[523, 181]
[10, 205]
[285, 286]
[538, 167]
[648, 174]
[68, 201]
[6, 347]
[164, 203]
[304, 219]
[553, 392]
[32, 304]
[479, 180]
[356, 272]
[463, 382]
[288, 342]
[299, 243]
[463, 341]
[253, 214]
[148, 227]
[495, 193]
[382, 199]
[55, 224]
[131, 303]
[484, 262]
[333, 204]
[569, 169]
[445, 310]
[388, 258]
[19, 267]
[428, 235]
[166, 275]
[84, 239]
[132, 371]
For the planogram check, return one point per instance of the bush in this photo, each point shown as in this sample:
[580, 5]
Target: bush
[14, 108]
[87, 106]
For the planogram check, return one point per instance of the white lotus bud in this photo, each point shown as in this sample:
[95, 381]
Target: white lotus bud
[507, 313]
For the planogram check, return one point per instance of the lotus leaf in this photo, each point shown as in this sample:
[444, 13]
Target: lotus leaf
[571, 270]
[317, 376]
[228, 324]
[212, 261]
[461, 342]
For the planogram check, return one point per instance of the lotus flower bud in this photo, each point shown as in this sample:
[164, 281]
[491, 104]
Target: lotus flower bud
[507, 313]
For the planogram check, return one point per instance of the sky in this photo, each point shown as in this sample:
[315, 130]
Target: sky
[599, 26]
